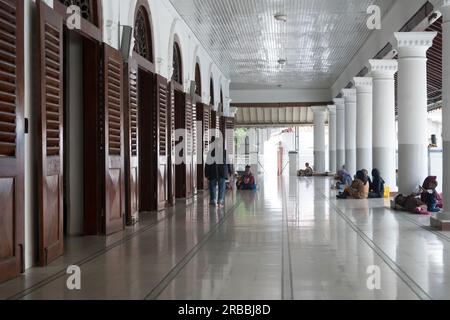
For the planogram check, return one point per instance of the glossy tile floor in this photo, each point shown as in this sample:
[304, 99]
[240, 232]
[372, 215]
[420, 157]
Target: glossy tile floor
[289, 240]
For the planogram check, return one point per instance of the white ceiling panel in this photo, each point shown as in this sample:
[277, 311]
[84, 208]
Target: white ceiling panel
[318, 40]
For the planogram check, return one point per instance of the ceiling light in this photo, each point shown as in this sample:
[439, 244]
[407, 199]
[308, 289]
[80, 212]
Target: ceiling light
[281, 17]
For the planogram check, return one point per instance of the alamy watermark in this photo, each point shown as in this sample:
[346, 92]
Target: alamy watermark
[74, 280]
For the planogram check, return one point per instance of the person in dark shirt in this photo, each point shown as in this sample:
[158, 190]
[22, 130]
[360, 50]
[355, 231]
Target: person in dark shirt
[217, 174]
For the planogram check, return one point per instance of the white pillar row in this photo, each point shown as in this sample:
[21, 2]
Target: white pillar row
[340, 133]
[364, 105]
[384, 130]
[412, 108]
[332, 131]
[320, 114]
[350, 130]
[445, 10]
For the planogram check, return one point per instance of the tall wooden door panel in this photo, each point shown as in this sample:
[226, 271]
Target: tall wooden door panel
[114, 159]
[171, 146]
[162, 122]
[189, 148]
[206, 140]
[180, 144]
[50, 131]
[131, 142]
[11, 139]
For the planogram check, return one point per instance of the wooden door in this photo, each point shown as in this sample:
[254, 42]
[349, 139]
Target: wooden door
[131, 113]
[230, 139]
[189, 147]
[114, 211]
[194, 142]
[161, 123]
[171, 146]
[180, 144]
[50, 134]
[11, 139]
[206, 140]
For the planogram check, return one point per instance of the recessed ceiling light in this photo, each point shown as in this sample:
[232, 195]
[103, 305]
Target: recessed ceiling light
[281, 17]
[282, 62]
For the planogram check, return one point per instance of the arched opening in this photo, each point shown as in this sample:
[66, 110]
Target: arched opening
[177, 75]
[143, 44]
[211, 90]
[198, 80]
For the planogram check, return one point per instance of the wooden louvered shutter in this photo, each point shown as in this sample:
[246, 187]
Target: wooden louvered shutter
[194, 149]
[230, 139]
[131, 141]
[162, 124]
[188, 137]
[171, 146]
[114, 157]
[50, 131]
[11, 139]
[206, 139]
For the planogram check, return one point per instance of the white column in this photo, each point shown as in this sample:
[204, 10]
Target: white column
[350, 130]
[384, 130]
[320, 114]
[332, 137]
[340, 133]
[363, 123]
[412, 108]
[445, 10]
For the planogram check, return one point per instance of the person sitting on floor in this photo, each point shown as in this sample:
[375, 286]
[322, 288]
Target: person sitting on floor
[247, 181]
[344, 179]
[430, 196]
[376, 186]
[359, 188]
[307, 172]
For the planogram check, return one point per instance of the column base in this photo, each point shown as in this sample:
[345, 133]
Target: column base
[441, 222]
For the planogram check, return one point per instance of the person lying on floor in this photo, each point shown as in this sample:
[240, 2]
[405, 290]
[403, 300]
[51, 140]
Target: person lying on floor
[376, 186]
[247, 181]
[307, 172]
[425, 200]
[359, 188]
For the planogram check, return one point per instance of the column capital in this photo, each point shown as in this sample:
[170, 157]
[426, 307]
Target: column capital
[363, 84]
[319, 110]
[445, 10]
[349, 95]
[340, 103]
[414, 44]
[332, 109]
[383, 68]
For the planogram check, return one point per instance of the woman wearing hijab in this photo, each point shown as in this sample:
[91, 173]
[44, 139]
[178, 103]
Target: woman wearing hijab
[344, 179]
[359, 188]
[377, 185]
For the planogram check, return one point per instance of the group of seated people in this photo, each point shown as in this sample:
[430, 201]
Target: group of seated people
[425, 200]
[246, 181]
[362, 186]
